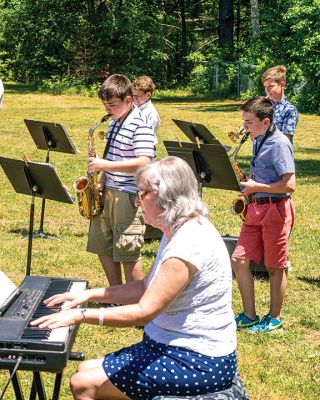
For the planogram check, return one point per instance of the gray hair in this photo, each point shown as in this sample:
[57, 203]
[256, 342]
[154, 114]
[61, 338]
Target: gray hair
[176, 189]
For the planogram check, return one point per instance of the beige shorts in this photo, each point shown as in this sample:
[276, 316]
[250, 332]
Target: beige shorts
[119, 230]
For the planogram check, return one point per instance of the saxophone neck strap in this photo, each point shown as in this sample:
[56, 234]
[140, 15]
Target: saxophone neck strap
[268, 134]
[112, 135]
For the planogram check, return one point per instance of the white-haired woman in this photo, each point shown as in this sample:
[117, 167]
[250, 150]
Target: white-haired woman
[189, 342]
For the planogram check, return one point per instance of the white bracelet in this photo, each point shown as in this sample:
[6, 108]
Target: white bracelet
[83, 313]
[101, 316]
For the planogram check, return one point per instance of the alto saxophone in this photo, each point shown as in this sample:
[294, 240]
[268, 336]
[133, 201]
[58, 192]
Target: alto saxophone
[87, 188]
[239, 204]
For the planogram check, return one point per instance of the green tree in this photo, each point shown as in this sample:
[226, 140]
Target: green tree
[41, 38]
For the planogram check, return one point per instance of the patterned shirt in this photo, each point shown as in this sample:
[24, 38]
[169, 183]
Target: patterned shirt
[135, 138]
[274, 159]
[285, 116]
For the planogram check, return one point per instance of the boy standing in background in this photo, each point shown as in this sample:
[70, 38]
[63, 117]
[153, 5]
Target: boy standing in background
[143, 88]
[285, 114]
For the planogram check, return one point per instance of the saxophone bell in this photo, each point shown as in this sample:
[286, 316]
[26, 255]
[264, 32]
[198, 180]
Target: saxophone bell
[239, 206]
[240, 203]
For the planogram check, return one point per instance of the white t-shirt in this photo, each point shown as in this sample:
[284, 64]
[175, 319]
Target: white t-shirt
[148, 110]
[201, 317]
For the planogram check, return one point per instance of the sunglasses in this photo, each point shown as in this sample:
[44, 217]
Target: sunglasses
[142, 194]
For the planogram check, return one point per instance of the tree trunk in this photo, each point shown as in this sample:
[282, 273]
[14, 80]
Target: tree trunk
[183, 38]
[255, 17]
[226, 22]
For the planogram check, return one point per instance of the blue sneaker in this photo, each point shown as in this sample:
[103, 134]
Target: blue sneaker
[243, 321]
[268, 324]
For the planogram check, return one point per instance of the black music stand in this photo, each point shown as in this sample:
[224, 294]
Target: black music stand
[209, 162]
[36, 180]
[213, 169]
[198, 133]
[49, 136]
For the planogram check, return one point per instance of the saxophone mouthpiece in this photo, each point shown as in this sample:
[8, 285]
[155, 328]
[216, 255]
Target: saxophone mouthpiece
[105, 118]
[95, 126]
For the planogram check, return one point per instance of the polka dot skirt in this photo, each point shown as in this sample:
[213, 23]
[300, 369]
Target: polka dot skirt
[150, 369]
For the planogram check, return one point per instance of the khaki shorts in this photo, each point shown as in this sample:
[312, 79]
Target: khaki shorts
[119, 230]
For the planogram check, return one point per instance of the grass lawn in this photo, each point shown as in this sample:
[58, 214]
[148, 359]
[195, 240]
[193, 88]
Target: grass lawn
[279, 366]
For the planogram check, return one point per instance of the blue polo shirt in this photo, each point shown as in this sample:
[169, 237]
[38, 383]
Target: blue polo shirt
[285, 116]
[274, 159]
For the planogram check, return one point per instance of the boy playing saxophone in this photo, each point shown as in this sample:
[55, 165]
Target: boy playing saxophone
[116, 236]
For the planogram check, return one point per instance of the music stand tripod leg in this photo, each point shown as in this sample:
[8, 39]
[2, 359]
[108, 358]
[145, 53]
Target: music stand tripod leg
[30, 235]
[40, 234]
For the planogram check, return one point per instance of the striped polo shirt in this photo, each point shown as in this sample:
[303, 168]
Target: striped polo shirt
[135, 138]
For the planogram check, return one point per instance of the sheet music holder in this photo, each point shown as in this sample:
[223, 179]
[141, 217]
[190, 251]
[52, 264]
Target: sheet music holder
[49, 136]
[36, 180]
[198, 133]
[209, 162]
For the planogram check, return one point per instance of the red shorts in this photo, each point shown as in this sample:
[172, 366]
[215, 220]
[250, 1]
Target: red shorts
[266, 232]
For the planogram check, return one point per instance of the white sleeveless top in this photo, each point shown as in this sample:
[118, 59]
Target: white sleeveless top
[201, 317]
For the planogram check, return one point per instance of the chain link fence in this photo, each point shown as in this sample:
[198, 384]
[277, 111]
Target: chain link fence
[232, 78]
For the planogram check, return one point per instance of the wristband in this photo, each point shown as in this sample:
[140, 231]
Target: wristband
[83, 313]
[101, 316]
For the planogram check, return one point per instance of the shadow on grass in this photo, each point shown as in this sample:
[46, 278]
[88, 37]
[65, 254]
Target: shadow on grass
[310, 281]
[217, 108]
[22, 231]
[307, 150]
[197, 99]
[209, 108]
[36, 235]
[304, 168]
[20, 88]
[79, 234]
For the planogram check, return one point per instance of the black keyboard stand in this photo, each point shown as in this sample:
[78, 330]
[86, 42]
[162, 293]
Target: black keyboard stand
[17, 386]
[38, 387]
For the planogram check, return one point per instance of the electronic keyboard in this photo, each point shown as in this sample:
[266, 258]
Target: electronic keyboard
[40, 349]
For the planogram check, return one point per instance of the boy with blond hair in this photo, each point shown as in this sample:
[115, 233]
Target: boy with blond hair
[285, 114]
[143, 88]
